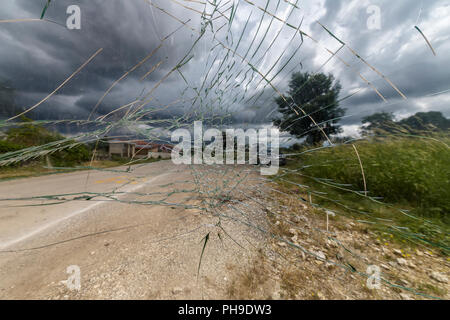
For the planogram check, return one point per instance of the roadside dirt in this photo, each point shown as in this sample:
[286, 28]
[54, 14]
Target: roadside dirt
[289, 267]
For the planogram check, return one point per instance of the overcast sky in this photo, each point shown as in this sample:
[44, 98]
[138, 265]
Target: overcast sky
[36, 57]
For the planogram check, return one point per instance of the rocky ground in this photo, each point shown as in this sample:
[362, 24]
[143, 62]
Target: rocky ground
[304, 261]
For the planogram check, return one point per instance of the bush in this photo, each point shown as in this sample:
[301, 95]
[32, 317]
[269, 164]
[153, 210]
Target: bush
[29, 135]
[71, 156]
[7, 146]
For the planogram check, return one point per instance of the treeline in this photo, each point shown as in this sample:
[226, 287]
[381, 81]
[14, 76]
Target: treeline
[422, 123]
[29, 135]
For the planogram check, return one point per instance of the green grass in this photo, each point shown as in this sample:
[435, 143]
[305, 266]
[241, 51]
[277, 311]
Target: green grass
[410, 171]
[408, 185]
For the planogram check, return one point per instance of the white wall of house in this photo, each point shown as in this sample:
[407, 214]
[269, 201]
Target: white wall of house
[116, 149]
[121, 149]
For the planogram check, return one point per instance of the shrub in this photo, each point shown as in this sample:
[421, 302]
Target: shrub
[71, 156]
[29, 135]
[7, 146]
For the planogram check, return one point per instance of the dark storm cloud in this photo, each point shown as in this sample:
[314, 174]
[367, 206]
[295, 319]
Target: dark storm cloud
[36, 57]
[398, 51]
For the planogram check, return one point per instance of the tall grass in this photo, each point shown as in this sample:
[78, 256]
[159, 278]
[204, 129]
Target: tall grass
[413, 171]
[407, 180]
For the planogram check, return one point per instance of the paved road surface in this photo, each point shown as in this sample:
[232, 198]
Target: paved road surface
[124, 251]
[19, 223]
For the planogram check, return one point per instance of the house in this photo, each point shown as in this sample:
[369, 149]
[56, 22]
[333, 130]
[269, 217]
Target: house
[139, 149]
[119, 148]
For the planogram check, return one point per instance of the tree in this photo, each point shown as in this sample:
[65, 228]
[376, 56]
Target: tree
[317, 95]
[31, 135]
[378, 121]
[423, 120]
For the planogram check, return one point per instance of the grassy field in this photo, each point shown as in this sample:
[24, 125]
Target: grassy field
[400, 186]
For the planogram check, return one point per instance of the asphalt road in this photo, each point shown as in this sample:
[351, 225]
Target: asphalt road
[22, 219]
[126, 242]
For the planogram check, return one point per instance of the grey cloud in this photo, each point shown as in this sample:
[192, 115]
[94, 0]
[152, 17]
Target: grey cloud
[37, 57]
